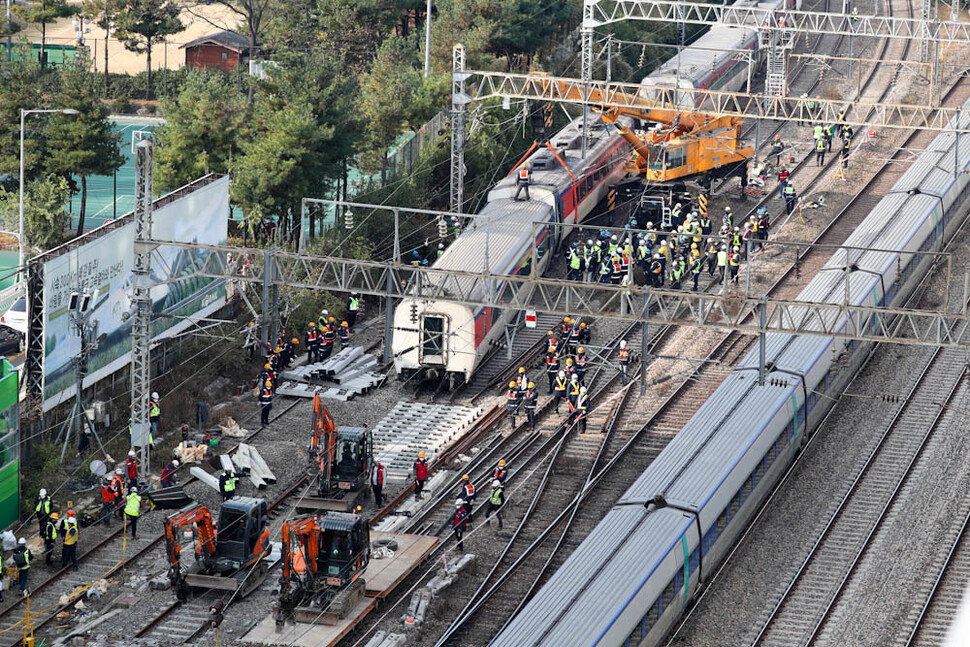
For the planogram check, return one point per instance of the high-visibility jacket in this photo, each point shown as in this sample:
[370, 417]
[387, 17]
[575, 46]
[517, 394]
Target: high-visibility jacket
[656, 267]
[512, 398]
[820, 145]
[311, 337]
[734, 259]
[50, 531]
[43, 506]
[553, 345]
[468, 491]
[531, 399]
[70, 533]
[497, 497]
[642, 251]
[722, 258]
[789, 192]
[817, 132]
[560, 384]
[695, 265]
[461, 519]
[228, 483]
[829, 131]
[329, 335]
[582, 403]
[783, 175]
[421, 469]
[154, 410]
[498, 474]
[574, 388]
[353, 303]
[266, 396]
[131, 465]
[552, 364]
[107, 494]
[574, 263]
[678, 270]
[133, 505]
[523, 175]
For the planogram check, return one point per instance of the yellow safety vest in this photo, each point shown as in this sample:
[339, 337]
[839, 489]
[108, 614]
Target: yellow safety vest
[70, 534]
[133, 506]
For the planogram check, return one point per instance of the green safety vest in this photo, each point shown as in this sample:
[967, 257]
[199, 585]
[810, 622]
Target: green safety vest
[811, 103]
[820, 145]
[353, 302]
[231, 484]
[155, 410]
[133, 506]
[496, 497]
[573, 261]
[52, 529]
[818, 132]
[789, 190]
[46, 503]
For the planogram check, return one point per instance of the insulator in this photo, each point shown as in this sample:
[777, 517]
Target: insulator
[442, 228]
[348, 219]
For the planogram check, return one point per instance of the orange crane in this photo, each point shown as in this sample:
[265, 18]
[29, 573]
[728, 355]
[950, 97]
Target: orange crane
[680, 145]
[230, 558]
[324, 557]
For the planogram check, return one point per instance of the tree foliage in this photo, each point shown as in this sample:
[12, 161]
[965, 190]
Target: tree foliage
[201, 131]
[44, 12]
[82, 144]
[20, 90]
[142, 24]
[45, 211]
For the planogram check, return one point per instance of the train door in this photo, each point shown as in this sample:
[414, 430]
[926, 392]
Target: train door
[433, 342]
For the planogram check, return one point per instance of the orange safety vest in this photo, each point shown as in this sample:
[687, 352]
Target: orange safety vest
[624, 355]
[523, 174]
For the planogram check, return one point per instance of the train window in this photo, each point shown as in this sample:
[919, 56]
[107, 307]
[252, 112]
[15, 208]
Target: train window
[652, 616]
[433, 337]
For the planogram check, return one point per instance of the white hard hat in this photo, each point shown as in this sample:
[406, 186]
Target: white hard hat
[155, 395]
[613, 237]
[589, 241]
[43, 492]
[441, 245]
[562, 373]
[459, 503]
[131, 453]
[622, 343]
[134, 490]
[582, 389]
[575, 378]
[21, 541]
[118, 471]
[496, 483]
[175, 462]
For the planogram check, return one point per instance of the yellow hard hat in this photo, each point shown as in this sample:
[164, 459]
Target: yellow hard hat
[279, 349]
[501, 463]
[465, 477]
[582, 325]
[550, 333]
[269, 383]
[567, 319]
[420, 454]
[54, 515]
[569, 361]
[521, 369]
[532, 385]
[331, 319]
[580, 350]
[252, 323]
[511, 385]
[344, 324]
[294, 341]
[311, 324]
[268, 365]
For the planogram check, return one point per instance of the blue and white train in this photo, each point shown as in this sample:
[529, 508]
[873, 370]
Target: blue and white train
[632, 577]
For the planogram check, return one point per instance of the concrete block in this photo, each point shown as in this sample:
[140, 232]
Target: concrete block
[418, 608]
[160, 583]
[205, 477]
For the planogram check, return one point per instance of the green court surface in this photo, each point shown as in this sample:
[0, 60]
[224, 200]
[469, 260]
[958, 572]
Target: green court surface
[56, 54]
[110, 196]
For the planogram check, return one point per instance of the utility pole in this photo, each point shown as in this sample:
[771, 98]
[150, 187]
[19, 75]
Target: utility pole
[141, 332]
[459, 99]
[427, 41]
[587, 75]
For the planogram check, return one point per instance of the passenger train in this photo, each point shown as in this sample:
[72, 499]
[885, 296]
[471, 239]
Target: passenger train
[444, 339]
[441, 339]
[630, 580]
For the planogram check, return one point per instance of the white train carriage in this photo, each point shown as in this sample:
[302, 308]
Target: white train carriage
[697, 496]
[439, 338]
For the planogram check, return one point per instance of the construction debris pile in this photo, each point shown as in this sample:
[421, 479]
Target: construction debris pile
[347, 374]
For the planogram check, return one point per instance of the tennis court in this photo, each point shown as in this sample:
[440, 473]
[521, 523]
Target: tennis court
[56, 54]
[112, 196]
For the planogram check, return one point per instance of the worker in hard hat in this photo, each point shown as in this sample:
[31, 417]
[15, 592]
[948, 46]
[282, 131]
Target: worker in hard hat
[154, 415]
[529, 400]
[168, 478]
[523, 179]
[132, 511]
[499, 472]
[21, 558]
[459, 523]
[265, 402]
[468, 495]
[512, 402]
[131, 468]
[50, 537]
[343, 332]
[43, 510]
[420, 475]
[495, 502]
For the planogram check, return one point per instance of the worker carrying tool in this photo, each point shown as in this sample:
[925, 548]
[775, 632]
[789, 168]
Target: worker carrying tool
[522, 181]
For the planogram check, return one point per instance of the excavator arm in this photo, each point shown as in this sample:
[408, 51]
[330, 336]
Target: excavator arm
[323, 448]
[199, 516]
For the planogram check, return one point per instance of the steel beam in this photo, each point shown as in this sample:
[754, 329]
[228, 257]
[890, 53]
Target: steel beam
[562, 298]
[537, 87]
[601, 12]
[141, 328]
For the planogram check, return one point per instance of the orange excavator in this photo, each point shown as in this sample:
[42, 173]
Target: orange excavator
[341, 458]
[324, 557]
[229, 555]
[679, 144]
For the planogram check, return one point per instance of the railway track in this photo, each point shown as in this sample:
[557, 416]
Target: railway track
[803, 607]
[946, 593]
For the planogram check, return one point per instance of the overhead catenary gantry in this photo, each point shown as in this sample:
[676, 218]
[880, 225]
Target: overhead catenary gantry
[747, 313]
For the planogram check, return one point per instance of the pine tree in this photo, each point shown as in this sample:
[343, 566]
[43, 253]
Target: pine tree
[82, 144]
[43, 13]
[45, 212]
[19, 90]
[142, 24]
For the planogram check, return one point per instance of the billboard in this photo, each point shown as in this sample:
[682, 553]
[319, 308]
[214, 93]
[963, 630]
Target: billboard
[102, 268]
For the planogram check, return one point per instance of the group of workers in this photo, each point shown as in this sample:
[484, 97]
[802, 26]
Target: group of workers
[465, 503]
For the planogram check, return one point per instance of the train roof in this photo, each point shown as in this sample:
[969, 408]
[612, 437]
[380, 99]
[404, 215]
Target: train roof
[546, 169]
[584, 597]
[698, 61]
[502, 228]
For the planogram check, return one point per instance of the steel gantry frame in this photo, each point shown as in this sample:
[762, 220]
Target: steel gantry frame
[602, 12]
[393, 279]
[459, 99]
[641, 96]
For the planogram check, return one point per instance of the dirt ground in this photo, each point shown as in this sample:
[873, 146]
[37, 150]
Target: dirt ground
[201, 20]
